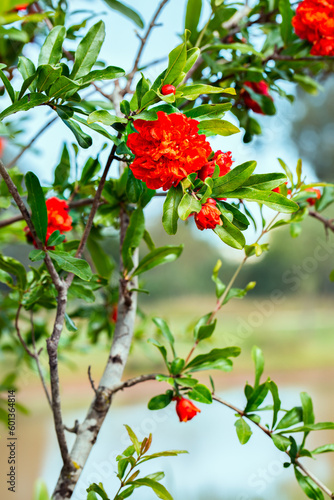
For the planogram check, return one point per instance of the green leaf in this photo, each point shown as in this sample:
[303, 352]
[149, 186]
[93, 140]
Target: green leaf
[230, 234]
[244, 432]
[27, 102]
[214, 355]
[104, 117]
[286, 170]
[84, 140]
[12, 266]
[187, 206]
[27, 69]
[161, 348]
[201, 394]
[233, 179]
[307, 405]
[63, 88]
[292, 417]
[134, 188]
[257, 356]
[158, 489]
[321, 426]
[257, 397]
[55, 238]
[266, 182]
[90, 170]
[203, 329]
[6, 278]
[164, 328]
[218, 127]
[193, 14]
[192, 92]
[327, 448]
[308, 486]
[157, 257]
[36, 201]
[51, 51]
[126, 11]
[133, 438]
[286, 25]
[36, 255]
[46, 76]
[70, 325]
[63, 169]
[133, 236]
[208, 111]
[177, 366]
[273, 200]
[170, 209]
[108, 73]
[66, 262]
[88, 51]
[102, 261]
[98, 488]
[161, 401]
[7, 84]
[277, 402]
[281, 442]
[177, 59]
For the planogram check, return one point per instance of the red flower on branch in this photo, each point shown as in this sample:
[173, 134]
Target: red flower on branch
[314, 21]
[209, 216]
[185, 409]
[224, 162]
[167, 150]
[58, 219]
[312, 201]
[259, 88]
[22, 6]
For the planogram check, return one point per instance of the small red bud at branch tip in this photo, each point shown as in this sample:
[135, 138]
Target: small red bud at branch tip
[168, 89]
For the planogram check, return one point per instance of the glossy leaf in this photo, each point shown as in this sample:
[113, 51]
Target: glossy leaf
[161, 401]
[84, 140]
[201, 394]
[233, 179]
[292, 417]
[36, 201]
[244, 432]
[88, 51]
[133, 236]
[13, 266]
[187, 206]
[126, 11]
[66, 262]
[157, 257]
[170, 209]
[258, 359]
[214, 355]
[51, 51]
[218, 127]
[27, 102]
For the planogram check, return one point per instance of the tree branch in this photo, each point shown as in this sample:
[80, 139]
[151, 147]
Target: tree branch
[328, 223]
[141, 47]
[38, 364]
[269, 433]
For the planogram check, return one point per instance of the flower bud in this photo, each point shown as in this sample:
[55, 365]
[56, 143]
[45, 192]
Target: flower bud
[168, 89]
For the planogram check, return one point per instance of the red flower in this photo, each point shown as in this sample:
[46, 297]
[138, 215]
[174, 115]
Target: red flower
[167, 150]
[312, 201]
[224, 162]
[168, 89]
[185, 409]
[114, 313]
[22, 6]
[58, 218]
[259, 88]
[2, 144]
[314, 21]
[209, 216]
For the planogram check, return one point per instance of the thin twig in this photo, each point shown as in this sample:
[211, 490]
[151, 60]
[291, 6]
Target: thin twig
[25, 148]
[143, 41]
[328, 223]
[269, 433]
[38, 364]
[18, 331]
[91, 380]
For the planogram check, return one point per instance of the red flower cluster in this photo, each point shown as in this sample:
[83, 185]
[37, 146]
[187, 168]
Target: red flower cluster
[58, 218]
[167, 150]
[224, 162]
[185, 409]
[314, 21]
[209, 216]
[259, 88]
[312, 201]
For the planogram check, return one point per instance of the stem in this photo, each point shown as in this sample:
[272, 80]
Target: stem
[141, 48]
[269, 433]
[38, 364]
[328, 223]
